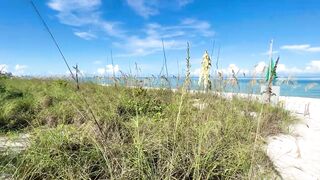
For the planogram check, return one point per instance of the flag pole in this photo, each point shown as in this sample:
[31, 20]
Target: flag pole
[270, 59]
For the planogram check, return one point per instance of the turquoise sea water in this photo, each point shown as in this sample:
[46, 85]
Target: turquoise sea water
[302, 87]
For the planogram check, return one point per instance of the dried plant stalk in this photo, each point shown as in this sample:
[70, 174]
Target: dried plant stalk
[204, 78]
[188, 79]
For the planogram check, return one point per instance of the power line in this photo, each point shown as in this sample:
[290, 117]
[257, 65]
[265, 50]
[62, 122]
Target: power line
[53, 38]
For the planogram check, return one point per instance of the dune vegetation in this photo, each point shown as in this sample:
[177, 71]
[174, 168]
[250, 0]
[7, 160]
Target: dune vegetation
[116, 132]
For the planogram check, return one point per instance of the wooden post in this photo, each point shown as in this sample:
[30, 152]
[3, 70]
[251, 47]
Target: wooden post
[76, 68]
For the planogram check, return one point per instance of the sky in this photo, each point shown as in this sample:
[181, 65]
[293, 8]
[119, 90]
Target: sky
[89, 31]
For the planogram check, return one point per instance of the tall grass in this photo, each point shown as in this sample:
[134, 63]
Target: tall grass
[147, 134]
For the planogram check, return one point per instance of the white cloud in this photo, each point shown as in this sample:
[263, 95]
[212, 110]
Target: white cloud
[85, 35]
[202, 27]
[147, 8]
[76, 12]
[4, 68]
[79, 13]
[184, 2]
[260, 67]
[196, 72]
[109, 69]
[70, 5]
[143, 8]
[233, 67]
[144, 46]
[86, 13]
[301, 48]
[20, 69]
[225, 71]
[174, 37]
[313, 67]
[282, 68]
[187, 27]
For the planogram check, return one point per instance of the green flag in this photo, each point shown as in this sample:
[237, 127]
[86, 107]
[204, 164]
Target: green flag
[271, 71]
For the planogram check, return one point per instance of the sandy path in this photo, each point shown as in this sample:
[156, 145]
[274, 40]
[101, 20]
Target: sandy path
[17, 144]
[297, 156]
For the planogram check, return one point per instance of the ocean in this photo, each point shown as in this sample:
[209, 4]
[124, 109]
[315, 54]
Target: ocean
[300, 87]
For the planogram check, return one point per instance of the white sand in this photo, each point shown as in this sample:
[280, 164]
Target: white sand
[297, 156]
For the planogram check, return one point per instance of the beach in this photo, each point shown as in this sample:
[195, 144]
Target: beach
[297, 154]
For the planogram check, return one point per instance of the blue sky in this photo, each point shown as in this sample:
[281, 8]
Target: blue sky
[88, 30]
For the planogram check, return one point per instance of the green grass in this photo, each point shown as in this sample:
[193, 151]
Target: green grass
[146, 134]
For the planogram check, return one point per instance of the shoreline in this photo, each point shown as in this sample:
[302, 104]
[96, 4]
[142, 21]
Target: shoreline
[242, 94]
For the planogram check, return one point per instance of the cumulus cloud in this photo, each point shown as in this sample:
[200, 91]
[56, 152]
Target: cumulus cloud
[301, 48]
[226, 71]
[19, 69]
[196, 72]
[282, 68]
[313, 67]
[260, 67]
[109, 69]
[4, 68]
[233, 67]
